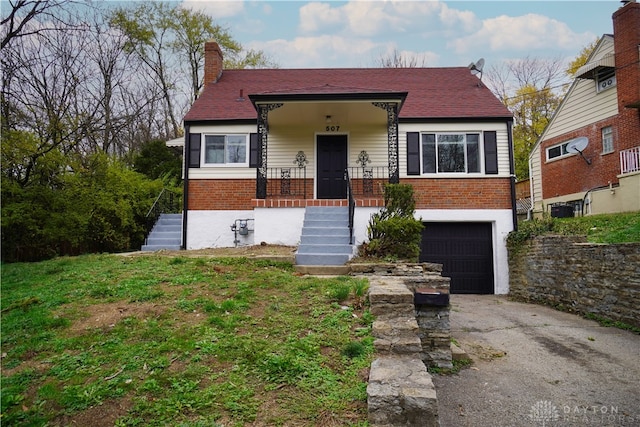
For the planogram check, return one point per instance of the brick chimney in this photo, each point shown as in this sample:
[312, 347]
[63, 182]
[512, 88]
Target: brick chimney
[626, 38]
[212, 62]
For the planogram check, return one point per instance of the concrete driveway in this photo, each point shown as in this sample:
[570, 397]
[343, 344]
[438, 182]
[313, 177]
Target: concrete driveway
[535, 366]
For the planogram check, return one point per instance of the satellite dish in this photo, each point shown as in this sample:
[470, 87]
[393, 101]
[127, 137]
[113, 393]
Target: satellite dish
[476, 67]
[577, 146]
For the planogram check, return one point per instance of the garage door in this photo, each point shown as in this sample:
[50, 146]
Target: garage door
[465, 251]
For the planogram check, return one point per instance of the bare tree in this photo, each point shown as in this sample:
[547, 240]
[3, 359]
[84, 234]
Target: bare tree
[23, 13]
[399, 60]
[532, 89]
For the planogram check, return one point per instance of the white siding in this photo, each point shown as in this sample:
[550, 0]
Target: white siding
[536, 179]
[285, 142]
[583, 104]
[502, 141]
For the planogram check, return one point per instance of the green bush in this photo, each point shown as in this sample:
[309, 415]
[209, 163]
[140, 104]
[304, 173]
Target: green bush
[393, 232]
[89, 204]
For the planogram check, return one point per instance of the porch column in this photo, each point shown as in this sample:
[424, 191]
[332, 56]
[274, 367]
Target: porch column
[263, 136]
[392, 137]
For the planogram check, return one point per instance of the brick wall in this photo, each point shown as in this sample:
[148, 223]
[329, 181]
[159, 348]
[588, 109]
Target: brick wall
[221, 194]
[461, 193]
[580, 277]
[559, 175]
[454, 193]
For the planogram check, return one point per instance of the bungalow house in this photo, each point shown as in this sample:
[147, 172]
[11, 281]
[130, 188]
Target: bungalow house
[587, 160]
[274, 155]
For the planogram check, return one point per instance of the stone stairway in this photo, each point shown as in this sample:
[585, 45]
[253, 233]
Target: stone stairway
[400, 391]
[325, 237]
[166, 233]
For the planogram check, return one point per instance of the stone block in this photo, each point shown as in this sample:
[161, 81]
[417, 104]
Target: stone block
[401, 392]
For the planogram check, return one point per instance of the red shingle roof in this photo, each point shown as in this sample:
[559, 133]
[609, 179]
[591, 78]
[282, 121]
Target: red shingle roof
[432, 92]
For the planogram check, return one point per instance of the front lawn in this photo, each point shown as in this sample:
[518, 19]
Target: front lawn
[158, 340]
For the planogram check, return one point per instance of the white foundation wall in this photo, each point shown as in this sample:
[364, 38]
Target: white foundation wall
[212, 229]
[502, 225]
[281, 226]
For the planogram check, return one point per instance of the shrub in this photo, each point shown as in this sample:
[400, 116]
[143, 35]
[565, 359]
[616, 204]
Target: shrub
[393, 232]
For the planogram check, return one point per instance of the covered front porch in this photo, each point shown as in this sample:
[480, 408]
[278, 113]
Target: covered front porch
[327, 146]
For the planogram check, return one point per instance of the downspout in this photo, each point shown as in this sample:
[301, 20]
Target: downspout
[185, 186]
[512, 175]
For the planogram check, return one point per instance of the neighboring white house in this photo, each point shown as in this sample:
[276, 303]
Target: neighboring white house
[599, 117]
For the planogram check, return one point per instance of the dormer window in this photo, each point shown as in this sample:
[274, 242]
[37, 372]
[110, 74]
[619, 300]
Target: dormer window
[605, 78]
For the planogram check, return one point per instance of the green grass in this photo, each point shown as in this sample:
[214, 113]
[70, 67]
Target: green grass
[605, 228]
[158, 340]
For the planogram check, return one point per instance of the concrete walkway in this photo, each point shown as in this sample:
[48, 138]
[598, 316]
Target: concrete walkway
[535, 366]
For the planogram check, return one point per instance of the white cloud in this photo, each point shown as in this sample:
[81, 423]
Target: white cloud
[370, 18]
[320, 52]
[522, 33]
[215, 8]
[317, 16]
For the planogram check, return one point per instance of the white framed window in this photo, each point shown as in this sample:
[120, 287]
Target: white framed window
[607, 140]
[226, 150]
[605, 78]
[557, 151]
[451, 152]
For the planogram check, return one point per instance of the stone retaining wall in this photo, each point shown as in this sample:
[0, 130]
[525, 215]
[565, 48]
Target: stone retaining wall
[400, 390]
[582, 277]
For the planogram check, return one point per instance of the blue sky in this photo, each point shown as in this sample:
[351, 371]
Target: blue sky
[319, 34]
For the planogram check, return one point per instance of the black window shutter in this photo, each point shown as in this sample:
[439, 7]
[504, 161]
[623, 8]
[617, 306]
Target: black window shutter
[413, 153]
[490, 152]
[254, 151]
[194, 150]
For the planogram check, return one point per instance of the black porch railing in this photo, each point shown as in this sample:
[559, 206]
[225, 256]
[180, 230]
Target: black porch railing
[368, 181]
[167, 202]
[287, 182]
[352, 205]
[293, 181]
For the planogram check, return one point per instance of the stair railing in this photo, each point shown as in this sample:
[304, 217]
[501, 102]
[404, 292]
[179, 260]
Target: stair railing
[352, 205]
[167, 202]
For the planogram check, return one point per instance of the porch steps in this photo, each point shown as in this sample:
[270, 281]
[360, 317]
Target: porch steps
[325, 237]
[166, 234]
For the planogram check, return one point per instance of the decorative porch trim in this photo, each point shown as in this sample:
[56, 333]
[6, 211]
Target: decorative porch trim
[392, 137]
[263, 136]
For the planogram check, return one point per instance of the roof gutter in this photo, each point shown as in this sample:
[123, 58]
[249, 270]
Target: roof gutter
[512, 172]
[185, 186]
[317, 97]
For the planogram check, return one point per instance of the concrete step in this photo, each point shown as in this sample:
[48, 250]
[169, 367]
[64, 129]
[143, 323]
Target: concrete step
[323, 239]
[325, 223]
[165, 234]
[162, 241]
[167, 228]
[325, 249]
[320, 231]
[327, 215]
[321, 259]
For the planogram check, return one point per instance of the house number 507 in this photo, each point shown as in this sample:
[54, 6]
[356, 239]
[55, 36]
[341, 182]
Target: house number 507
[332, 128]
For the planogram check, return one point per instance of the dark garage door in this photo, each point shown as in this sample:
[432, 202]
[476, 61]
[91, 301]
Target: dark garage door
[465, 251]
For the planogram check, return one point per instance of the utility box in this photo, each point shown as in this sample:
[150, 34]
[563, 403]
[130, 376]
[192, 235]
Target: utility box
[562, 211]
